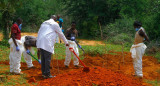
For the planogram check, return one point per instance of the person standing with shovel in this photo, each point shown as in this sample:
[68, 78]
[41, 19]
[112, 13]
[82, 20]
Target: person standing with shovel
[71, 33]
[45, 42]
[15, 48]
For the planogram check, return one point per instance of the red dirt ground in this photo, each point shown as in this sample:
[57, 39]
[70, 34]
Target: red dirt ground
[97, 75]
[110, 71]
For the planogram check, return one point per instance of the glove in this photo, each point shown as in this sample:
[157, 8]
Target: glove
[17, 48]
[28, 52]
[39, 61]
[72, 38]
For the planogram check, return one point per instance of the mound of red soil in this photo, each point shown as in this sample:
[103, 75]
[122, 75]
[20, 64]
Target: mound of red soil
[96, 76]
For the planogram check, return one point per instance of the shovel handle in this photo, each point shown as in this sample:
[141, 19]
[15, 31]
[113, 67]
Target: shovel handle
[33, 57]
[72, 50]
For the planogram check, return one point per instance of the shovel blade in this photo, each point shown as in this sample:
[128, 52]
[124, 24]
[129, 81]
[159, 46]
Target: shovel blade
[86, 69]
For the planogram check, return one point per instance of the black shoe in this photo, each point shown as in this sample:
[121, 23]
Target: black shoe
[66, 66]
[48, 76]
[76, 66]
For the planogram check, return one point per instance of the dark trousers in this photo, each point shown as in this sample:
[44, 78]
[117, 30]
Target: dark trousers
[45, 62]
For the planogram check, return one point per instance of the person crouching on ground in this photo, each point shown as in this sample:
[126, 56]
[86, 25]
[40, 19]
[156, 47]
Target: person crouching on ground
[138, 48]
[15, 47]
[45, 42]
[71, 33]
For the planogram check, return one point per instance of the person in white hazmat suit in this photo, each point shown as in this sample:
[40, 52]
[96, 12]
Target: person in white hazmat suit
[138, 48]
[27, 58]
[16, 47]
[29, 42]
[71, 33]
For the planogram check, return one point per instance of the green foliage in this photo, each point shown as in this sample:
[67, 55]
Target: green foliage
[88, 15]
[34, 12]
[7, 8]
[121, 31]
[134, 8]
[157, 55]
[121, 38]
[4, 43]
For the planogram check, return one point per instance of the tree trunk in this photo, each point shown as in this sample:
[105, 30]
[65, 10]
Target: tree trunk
[101, 31]
[5, 24]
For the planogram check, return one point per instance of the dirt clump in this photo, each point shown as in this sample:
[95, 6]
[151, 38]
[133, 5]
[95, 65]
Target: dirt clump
[32, 80]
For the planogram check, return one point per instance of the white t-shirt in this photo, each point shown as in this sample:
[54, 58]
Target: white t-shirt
[47, 35]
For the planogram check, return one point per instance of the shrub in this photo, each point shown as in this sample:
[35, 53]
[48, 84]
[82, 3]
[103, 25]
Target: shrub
[121, 38]
[124, 25]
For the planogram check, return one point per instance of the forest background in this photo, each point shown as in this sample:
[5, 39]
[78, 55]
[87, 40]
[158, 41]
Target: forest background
[110, 20]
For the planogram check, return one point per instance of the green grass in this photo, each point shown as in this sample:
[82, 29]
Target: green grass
[153, 82]
[4, 53]
[157, 55]
[90, 50]
[60, 51]
[19, 79]
[14, 81]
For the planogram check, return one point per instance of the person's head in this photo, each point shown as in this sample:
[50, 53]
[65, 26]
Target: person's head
[53, 17]
[73, 25]
[19, 21]
[137, 24]
[58, 16]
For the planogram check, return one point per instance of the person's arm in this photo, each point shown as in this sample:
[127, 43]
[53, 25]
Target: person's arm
[76, 33]
[143, 34]
[13, 38]
[60, 34]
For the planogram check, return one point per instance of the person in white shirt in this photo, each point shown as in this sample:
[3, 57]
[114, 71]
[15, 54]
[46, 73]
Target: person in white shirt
[138, 48]
[45, 42]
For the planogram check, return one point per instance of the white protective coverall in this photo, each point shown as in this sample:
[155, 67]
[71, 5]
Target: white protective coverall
[27, 57]
[68, 53]
[137, 54]
[15, 56]
[137, 50]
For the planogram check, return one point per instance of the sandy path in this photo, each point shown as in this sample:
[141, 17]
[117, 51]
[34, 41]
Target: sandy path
[81, 41]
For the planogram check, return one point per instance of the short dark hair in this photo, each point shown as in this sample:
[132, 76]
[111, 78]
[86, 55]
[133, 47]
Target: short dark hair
[73, 22]
[137, 23]
[19, 20]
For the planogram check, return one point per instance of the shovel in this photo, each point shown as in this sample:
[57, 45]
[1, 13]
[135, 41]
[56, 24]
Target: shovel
[34, 57]
[80, 46]
[85, 69]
